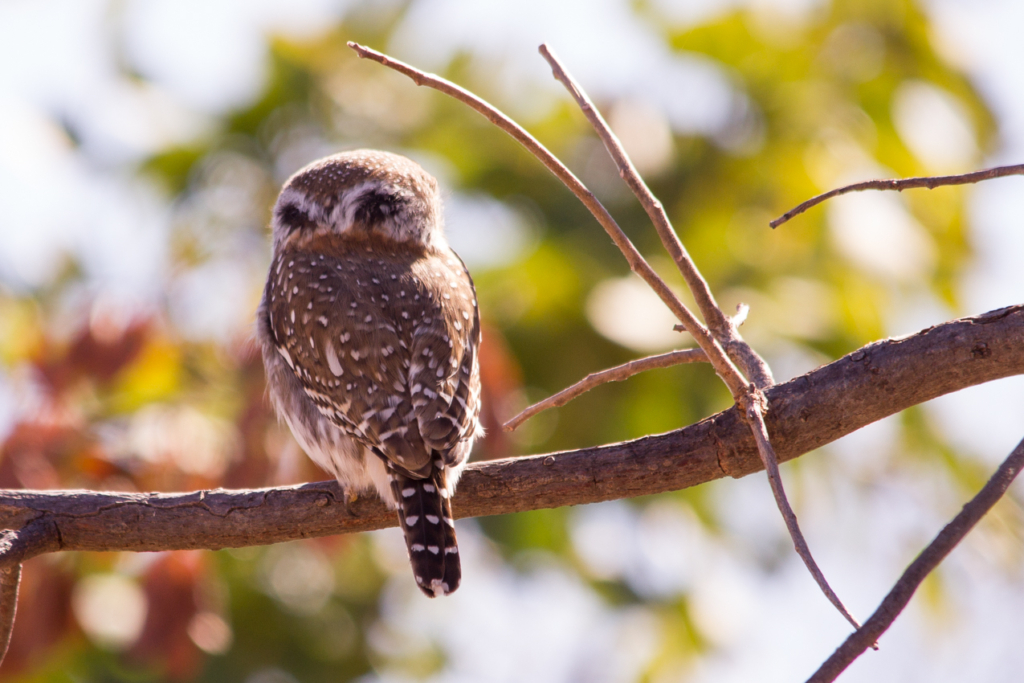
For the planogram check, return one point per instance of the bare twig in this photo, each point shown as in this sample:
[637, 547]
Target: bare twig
[720, 325]
[900, 184]
[10, 580]
[16, 546]
[755, 418]
[709, 309]
[716, 355]
[928, 560]
[615, 374]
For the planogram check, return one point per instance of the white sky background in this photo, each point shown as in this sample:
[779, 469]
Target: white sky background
[59, 58]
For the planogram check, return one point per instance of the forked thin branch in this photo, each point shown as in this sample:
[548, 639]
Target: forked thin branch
[720, 325]
[748, 396]
[616, 374]
[716, 355]
[900, 184]
[753, 403]
[928, 560]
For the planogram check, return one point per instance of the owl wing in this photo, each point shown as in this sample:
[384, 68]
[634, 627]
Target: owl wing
[385, 346]
[444, 373]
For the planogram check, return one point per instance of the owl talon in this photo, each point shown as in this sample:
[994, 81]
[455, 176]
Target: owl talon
[348, 501]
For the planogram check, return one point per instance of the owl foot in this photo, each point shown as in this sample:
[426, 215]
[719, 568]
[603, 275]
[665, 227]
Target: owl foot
[348, 501]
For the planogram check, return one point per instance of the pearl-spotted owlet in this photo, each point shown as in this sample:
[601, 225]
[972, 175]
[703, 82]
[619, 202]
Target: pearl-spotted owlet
[370, 335]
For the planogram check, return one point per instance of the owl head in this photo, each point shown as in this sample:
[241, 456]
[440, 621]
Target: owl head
[363, 194]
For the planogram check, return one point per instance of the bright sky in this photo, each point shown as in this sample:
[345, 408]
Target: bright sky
[60, 60]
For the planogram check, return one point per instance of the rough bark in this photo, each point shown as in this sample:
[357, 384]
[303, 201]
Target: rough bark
[804, 414]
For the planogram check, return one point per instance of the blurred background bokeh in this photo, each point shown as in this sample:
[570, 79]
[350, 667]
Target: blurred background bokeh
[142, 143]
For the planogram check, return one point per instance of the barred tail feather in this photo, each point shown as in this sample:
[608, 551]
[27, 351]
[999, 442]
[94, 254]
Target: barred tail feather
[425, 513]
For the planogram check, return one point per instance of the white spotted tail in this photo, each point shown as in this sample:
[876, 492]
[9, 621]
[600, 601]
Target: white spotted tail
[425, 513]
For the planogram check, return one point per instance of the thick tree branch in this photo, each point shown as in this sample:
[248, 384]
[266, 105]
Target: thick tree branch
[900, 184]
[806, 413]
[928, 560]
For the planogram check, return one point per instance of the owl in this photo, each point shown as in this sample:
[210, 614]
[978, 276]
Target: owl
[370, 332]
